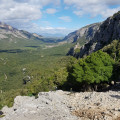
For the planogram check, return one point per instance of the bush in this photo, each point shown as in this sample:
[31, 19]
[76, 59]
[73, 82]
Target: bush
[94, 69]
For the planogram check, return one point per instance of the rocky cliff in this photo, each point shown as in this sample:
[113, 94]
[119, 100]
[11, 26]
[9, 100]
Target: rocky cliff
[80, 37]
[108, 31]
[86, 32]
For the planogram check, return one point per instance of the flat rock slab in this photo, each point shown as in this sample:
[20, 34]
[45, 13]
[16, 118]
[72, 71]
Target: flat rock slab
[60, 105]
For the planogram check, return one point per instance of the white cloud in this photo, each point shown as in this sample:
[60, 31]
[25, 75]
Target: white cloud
[21, 13]
[35, 28]
[51, 11]
[93, 7]
[23, 10]
[65, 18]
[11, 10]
[44, 2]
[79, 13]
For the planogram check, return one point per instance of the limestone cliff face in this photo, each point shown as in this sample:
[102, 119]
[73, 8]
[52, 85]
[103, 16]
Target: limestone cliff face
[87, 32]
[81, 36]
[108, 31]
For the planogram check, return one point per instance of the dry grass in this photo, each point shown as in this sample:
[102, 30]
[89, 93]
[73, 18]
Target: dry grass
[118, 118]
[92, 114]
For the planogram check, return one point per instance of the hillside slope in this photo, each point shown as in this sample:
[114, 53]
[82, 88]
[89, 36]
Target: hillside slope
[109, 30]
[81, 36]
[7, 31]
[86, 32]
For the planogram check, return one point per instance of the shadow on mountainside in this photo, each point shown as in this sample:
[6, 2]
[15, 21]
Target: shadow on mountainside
[11, 51]
[33, 46]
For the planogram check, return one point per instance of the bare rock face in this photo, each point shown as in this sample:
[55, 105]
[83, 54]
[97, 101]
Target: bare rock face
[48, 106]
[87, 32]
[73, 49]
[61, 105]
[108, 31]
[81, 36]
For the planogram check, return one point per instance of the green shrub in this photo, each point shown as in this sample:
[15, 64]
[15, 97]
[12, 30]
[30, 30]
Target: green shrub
[94, 69]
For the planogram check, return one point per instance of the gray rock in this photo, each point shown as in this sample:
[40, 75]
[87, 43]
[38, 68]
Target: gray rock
[87, 32]
[108, 31]
[65, 106]
[81, 36]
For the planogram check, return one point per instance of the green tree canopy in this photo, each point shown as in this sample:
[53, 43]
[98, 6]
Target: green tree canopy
[96, 68]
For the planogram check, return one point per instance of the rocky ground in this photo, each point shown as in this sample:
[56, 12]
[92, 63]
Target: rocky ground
[59, 105]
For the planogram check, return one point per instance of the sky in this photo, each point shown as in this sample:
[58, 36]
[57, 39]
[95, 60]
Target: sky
[55, 17]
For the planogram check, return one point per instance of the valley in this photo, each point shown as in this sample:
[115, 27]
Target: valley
[86, 61]
[38, 60]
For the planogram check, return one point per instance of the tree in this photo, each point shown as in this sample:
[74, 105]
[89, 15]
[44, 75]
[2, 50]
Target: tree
[94, 69]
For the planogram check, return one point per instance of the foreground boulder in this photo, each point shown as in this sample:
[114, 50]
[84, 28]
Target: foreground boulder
[61, 105]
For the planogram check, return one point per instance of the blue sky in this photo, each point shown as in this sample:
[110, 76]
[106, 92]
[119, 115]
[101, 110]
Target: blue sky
[50, 17]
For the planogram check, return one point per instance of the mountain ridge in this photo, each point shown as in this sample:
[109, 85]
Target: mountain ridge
[109, 30]
[6, 30]
[81, 36]
[87, 32]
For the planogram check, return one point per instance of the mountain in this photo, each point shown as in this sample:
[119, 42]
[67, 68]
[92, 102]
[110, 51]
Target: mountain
[81, 36]
[7, 31]
[108, 31]
[86, 32]
[58, 35]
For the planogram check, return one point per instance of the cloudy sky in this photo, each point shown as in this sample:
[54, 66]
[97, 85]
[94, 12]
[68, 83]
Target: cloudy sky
[55, 16]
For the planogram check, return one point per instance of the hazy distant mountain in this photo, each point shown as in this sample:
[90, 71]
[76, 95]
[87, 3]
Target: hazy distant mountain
[53, 35]
[6, 31]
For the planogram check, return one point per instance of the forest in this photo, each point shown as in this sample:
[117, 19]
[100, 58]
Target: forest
[30, 69]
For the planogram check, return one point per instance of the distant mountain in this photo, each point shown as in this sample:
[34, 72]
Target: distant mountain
[53, 35]
[6, 31]
[86, 32]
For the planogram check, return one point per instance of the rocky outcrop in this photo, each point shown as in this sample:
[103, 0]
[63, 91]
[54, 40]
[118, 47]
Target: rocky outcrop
[80, 37]
[108, 31]
[60, 105]
[6, 31]
[86, 32]
[48, 106]
[73, 50]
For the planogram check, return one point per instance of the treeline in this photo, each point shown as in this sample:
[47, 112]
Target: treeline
[95, 72]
